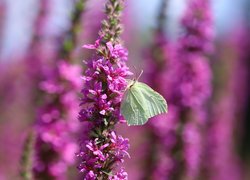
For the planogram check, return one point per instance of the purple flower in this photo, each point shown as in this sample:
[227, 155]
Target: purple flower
[97, 151]
[161, 61]
[93, 154]
[222, 162]
[121, 175]
[90, 176]
[98, 71]
[191, 80]
[104, 84]
[193, 148]
[119, 146]
[117, 51]
[187, 79]
[198, 27]
[92, 46]
[56, 123]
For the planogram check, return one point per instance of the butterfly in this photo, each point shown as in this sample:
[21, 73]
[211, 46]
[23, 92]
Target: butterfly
[140, 102]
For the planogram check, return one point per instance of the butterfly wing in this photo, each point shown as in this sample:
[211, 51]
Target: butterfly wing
[153, 101]
[132, 108]
[140, 103]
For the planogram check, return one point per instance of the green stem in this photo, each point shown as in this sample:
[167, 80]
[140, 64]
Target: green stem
[69, 41]
[26, 158]
[112, 28]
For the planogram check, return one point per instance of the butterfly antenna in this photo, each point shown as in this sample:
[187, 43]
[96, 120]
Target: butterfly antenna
[139, 75]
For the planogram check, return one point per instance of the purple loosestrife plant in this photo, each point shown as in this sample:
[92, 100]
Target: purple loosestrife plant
[56, 125]
[192, 85]
[194, 45]
[223, 161]
[187, 77]
[104, 84]
[38, 57]
[198, 27]
[160, 60]
[36, 60]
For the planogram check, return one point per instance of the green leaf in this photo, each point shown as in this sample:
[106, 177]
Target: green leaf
[140, 102]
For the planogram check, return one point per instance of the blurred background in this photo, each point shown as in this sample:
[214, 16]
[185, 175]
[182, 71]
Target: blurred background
[37, 37]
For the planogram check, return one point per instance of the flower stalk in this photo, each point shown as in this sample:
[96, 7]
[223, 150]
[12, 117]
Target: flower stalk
[55, 125]
[27, 157]
[104, 83]
[70, 38]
